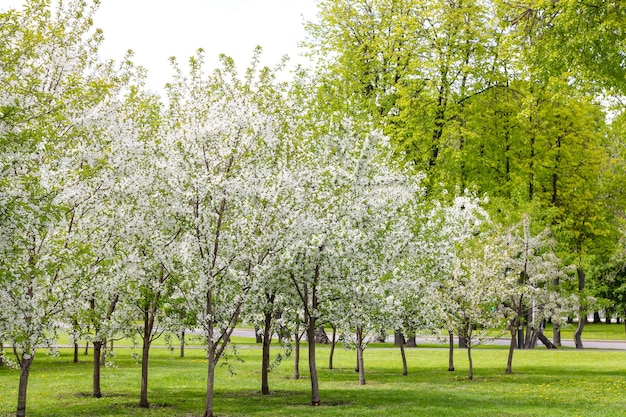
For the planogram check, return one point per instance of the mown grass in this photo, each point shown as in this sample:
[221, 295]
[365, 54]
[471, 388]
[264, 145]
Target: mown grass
[555, 383]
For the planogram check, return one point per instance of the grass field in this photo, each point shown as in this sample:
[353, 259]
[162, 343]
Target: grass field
[544, 383]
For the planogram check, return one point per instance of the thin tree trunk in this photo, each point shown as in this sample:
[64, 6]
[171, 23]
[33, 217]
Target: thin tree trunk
[148, 326]
[103, 353]
[596, 317]
[582, 316]
[405, 368]
[1, 353]
[333, 342]
[556, 334]
[451, 352]
[97, 345]
[296, 362]
[359, 355]
[210, 385]
[86, 349]
[582, 319]
[315, 392]
[265, 363]
[462, 342]
[75, 352]
[548, 344]
[182, 343]
[25, 363]
[145, 352]
[471, 364]
[512, 345]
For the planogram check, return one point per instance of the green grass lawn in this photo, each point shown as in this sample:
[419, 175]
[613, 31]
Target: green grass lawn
[544, 383]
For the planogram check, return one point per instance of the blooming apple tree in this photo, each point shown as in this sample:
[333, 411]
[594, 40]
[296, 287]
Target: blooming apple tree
[58, 100]
[222, 133]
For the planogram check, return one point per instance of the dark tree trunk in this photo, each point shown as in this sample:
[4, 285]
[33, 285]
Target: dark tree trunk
[410, 341]
[25, 363]
[359, 355]
[450, 352]
[321, 336]
[296, 362]
[210, 384]
[265, 363]
[97, 346]
[149, 319]
[462, 342]
[103, 353]
[596, 317]
[143, 396]
[1, 353]
[546, 341]
[471, 363]
[315, 392]
[398, 339]
[582, 315]
[333, 342]
[512, 346]
[556, 334]
[86, 349]
[258, 338]
[75, 352]
[182, 343]
[405, 367]
[578, 341]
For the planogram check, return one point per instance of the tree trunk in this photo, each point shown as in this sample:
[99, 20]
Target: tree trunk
[1, 353]
[410, 341]
[86, 349]
[265, 363]
[582, 319]
[582, 315]
[556, 334]
[315, 392]
[321, 336]
[333, 342]
[451, 352]
[149, 318]
[405, 368]
[257, 336]
[25, 363]
[471, 364]
[512, 346]
[210, 385]
[145, 351]
[596, 317]
[182, 343]
[398, 339]
[75, 352]
[546, 341]
[97, 345]
[462, 342]
[103, 353]
[296, 362]
[359, 355]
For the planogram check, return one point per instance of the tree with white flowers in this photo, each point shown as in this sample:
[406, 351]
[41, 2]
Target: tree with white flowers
[531, 270]
[222, 133]
[57, 103]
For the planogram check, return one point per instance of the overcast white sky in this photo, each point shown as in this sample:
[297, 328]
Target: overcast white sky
[158, 29]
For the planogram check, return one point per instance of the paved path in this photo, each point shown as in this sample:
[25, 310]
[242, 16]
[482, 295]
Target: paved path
[590, 344]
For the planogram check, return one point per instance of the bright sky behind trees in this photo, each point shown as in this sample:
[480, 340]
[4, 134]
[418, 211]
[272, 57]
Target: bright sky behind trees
[158, 29]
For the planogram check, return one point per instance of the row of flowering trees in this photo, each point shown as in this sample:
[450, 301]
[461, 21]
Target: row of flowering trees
[237, 198]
